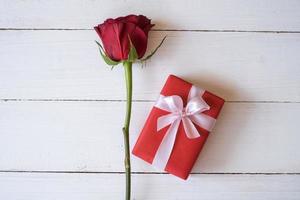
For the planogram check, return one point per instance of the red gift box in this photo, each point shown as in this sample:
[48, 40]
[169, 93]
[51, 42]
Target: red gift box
[168, 138]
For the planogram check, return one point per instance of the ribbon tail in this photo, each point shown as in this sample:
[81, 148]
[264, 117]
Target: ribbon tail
[165, 149]
[165, 120]
[189, 128]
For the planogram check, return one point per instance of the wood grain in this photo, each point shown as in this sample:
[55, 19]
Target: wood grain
[61, 108]
[67, 65]
[261, 15]
[160, 187]
[86, 136]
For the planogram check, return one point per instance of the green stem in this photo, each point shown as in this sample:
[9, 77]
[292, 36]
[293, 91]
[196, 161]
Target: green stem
[128, 79]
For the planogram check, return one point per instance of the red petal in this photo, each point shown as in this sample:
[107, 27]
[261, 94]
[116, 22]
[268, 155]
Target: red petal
[138, 38]
[141, 21]
[109, 34]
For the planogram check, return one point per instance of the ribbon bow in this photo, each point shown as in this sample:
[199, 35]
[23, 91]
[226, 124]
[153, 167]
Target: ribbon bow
[189, 115]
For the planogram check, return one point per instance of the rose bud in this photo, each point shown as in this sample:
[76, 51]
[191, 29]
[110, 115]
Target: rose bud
[120, 34]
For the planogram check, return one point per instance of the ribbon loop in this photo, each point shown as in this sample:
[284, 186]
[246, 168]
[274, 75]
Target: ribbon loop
[190, 115]
[196, 105]
[174, 102]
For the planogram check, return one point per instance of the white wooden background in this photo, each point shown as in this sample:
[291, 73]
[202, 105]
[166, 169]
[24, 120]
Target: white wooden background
[62, 108]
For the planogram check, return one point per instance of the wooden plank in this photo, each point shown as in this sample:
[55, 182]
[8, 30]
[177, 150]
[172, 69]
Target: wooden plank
[86, 136]
[193, 14]
[156, 186]
[66, 64]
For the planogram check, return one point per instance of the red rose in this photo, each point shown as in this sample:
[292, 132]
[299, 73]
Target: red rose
[115, 34]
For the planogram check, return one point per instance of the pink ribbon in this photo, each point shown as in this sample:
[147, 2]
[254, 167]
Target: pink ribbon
[189, 115]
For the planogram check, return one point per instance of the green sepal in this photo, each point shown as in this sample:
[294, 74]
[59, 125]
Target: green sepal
[106, 59]
[133, 55]
[153, 52]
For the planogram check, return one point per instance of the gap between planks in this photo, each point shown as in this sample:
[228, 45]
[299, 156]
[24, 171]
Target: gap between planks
[166, 30]
[157, 173]
[121, 100]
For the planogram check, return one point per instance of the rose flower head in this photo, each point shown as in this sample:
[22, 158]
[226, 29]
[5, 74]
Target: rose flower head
[124, 38]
